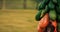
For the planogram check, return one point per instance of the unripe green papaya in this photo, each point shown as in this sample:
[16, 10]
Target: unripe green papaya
[59, 18]
[44, 11]
[37, 17]
[58, 2]
[55, 1]
[52, 15]
[51, 5]
[58, 9]
[43, 4]
[40, 14]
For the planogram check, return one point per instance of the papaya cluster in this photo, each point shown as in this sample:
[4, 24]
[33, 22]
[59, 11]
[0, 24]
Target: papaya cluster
[52, 7]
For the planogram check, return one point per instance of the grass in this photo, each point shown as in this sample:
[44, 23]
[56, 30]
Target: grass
[17, 21]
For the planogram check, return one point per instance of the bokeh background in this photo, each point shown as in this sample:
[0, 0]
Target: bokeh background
[19, 4]
[18, 15]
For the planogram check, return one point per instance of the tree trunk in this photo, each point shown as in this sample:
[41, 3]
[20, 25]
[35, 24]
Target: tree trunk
[24, 4]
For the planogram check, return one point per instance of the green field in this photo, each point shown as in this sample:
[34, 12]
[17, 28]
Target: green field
[18, 21]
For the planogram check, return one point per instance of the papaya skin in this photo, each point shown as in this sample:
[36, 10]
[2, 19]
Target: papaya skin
[43, 4]
[43, 23]
[54, 23]
[52, 14]
[37, 17]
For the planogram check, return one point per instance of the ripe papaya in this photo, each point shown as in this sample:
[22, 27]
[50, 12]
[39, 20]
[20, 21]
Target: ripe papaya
[52, 15]
[44, 21]
[51, 5]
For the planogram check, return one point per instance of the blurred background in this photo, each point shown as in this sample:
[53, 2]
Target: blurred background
[19, 4]
[18, 15]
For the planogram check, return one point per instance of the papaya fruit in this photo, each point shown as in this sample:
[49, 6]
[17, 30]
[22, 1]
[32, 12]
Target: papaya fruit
[58, 9]
[58, 18]
[46, 2]
[43, 4]
[54, 1]
[37, 17]
[58, 2]
[44, 11]
[52, 15]
[44, 21]
[47, 9]
[40, 14]
[51, 5]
